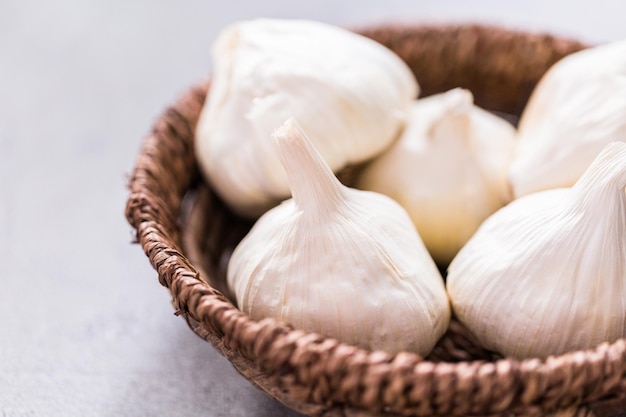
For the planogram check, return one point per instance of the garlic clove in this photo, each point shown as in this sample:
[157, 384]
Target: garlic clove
[341, 262]
[578, 107]
[350, 93]
[448, 169]
[546, 274]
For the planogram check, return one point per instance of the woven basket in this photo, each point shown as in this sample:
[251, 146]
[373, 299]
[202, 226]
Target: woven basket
[188, 235]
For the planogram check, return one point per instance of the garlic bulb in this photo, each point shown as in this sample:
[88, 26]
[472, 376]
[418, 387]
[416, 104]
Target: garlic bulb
[547, 273]
[448, 169]
[578, 107]
[341, 262]
[350, 93]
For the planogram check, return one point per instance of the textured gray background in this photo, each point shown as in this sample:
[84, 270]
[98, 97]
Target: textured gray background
[85, 328]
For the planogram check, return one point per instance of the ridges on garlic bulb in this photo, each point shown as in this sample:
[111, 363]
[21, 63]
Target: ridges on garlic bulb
[350, 93]
[345, 263]
[578, 107]
[448, 169]
[547, 274]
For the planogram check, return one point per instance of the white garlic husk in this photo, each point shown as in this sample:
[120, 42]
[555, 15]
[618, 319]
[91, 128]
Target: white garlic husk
[448, 169]
[350, 93]
[578, 107]
[345, 263]
[546, 274]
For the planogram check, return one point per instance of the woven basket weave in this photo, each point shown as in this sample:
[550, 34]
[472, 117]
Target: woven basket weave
[188, 234]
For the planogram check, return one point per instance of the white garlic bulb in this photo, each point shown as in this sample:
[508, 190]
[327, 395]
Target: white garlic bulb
[351, 94]
[448, 169]
[547, 273]
[578, 107]
[345, 263]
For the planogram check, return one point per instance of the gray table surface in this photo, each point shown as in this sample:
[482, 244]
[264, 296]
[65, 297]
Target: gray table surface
[85, 328]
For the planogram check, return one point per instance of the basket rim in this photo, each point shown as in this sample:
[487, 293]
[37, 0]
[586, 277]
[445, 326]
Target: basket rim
[334, 372]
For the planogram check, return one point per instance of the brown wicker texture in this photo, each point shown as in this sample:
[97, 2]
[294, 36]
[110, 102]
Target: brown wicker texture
[188, 234]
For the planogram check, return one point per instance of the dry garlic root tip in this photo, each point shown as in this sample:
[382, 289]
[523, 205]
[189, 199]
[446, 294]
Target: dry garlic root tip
[350, 93]
[546, 274]
[338, 261]
[448, 169]
[578, 107]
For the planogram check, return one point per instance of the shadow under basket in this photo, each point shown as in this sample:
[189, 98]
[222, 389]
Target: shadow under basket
[188, 234]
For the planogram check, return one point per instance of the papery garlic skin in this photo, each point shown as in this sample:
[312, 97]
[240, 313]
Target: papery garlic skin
[546, 274]
[578, 107]
[350, 93]
[448, 169]
[345, 263]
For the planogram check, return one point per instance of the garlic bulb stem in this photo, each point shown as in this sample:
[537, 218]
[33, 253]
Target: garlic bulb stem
[311, 181]
[605, 177]
[453, 118]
